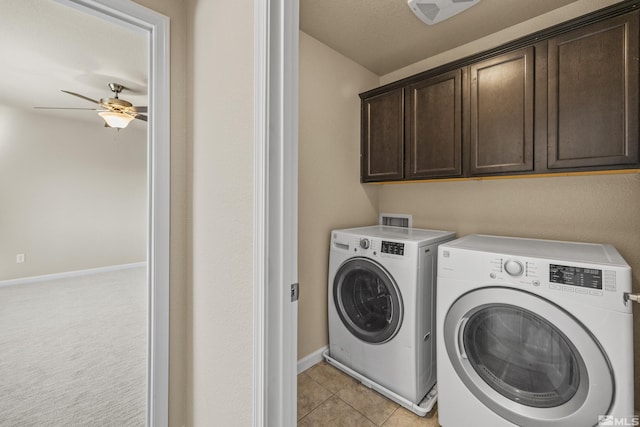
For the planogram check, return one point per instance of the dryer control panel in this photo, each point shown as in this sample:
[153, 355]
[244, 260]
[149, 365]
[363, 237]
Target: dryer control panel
[580, 272]
[575, 276]
[565, 277]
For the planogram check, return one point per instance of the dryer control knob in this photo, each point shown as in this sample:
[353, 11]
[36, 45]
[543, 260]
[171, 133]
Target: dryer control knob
[513, 267]
[364, 243]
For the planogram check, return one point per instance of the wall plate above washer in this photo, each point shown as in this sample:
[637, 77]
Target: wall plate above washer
[396, 220]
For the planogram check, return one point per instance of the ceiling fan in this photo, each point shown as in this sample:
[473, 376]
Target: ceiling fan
[116, 112]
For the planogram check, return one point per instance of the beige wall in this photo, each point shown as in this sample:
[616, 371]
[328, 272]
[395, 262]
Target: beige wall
[329, 191]
[221, 162]
[577, 208]
[73, 202]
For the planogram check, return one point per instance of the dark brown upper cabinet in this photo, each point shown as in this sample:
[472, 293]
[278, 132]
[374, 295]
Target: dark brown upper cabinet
[564, 99]
[434, 127]
[593, 95]
[501, 110]
[382, 149]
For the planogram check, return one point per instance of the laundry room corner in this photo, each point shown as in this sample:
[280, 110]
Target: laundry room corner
[596, 207]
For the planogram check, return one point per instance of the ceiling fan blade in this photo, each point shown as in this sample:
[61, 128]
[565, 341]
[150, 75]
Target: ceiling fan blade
[141, 117]
[81, 96]
[65, 108]
[141, 109]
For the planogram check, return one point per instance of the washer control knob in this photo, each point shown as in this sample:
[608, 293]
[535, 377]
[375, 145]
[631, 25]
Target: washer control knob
[364, 243]
[513, 267]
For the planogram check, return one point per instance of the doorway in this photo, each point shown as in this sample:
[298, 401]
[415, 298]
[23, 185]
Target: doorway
[148, 208]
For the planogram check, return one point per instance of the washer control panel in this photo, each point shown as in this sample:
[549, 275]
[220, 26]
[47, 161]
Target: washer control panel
[364, 243]
[374, 247]
[393, 248]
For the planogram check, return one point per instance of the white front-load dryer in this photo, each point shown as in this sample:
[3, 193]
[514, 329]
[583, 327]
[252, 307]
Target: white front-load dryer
[533, 333]
[381, 306]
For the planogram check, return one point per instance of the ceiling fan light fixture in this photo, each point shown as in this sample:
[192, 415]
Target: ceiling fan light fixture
[116, 112]
[433, 11]
[116, 120]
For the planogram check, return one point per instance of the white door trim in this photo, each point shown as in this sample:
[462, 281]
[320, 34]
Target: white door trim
[132, 15]
[275, 211]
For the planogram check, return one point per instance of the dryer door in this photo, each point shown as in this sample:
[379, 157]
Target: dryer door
[368, 300]
[527, 359]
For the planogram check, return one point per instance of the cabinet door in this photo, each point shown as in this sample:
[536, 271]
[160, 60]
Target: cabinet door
[593, 95]
[383, 137]
[501, 109]
[434, 127]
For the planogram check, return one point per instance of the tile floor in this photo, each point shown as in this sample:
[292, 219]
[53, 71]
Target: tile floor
[329, 397]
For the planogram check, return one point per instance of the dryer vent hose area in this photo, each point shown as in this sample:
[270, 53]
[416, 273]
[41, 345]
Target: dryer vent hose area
[632, 297]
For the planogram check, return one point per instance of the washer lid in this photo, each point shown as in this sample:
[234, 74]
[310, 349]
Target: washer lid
[398, 233]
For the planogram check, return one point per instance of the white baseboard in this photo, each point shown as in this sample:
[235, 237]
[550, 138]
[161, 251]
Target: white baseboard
[312, 359]
[33, 279]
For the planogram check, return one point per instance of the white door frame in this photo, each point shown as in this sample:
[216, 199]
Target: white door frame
[156, 26]
[275, 212]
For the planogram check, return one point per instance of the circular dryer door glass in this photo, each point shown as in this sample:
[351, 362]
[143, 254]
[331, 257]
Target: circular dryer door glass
[367, 300]
[522, 356]
[527, 359]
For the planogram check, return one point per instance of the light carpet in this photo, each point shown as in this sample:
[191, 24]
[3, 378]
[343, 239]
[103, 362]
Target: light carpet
[73, 351]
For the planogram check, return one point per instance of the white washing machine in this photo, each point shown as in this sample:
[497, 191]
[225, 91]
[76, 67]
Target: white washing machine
[533, 333]
[381, 309]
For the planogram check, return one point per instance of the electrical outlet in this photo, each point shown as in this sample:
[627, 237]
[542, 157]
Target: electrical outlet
[19, 258]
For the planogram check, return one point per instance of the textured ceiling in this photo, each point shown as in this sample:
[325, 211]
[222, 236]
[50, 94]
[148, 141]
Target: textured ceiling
[47, 47]
[385, 35]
